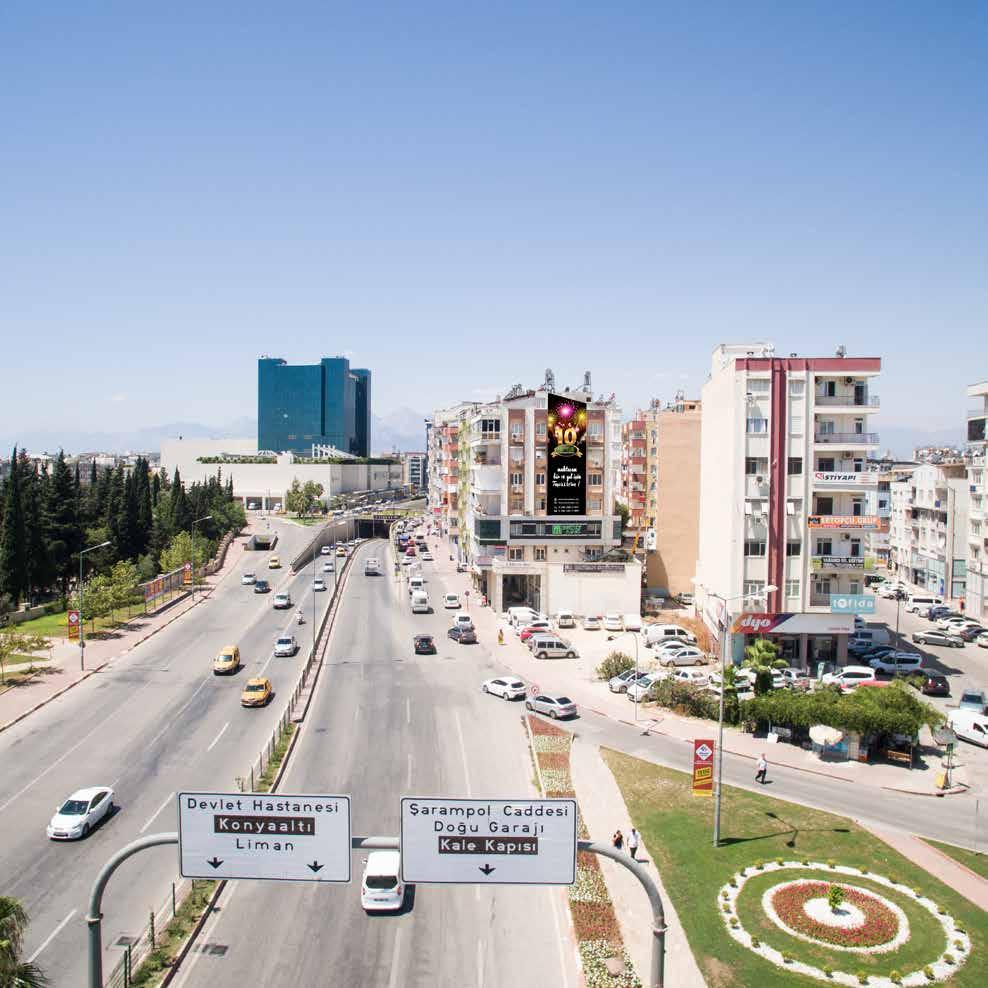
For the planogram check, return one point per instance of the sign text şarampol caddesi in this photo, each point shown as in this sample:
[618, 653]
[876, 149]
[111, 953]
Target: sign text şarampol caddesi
[567, 447]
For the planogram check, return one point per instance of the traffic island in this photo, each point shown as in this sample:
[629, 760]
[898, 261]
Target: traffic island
[756, 911]
[602, 954]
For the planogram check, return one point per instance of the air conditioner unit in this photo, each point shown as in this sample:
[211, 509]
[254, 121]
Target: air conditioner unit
[845, 536]
[849, 380]
[759, 480]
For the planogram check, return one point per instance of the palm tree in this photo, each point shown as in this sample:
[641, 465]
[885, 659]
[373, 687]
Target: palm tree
[15, 973]
[763, 657]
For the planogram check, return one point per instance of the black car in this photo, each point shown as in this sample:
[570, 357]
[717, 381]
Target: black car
[465, 636]
[425, 645]
[970, 634]
[934, 685]
[262, 586]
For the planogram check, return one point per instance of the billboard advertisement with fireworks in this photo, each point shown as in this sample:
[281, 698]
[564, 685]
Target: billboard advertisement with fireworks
[567, 473]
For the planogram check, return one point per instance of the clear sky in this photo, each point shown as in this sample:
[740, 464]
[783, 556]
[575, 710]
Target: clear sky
[460, 195]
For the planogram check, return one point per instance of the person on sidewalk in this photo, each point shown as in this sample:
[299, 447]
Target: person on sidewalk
[500, 636]
[762, 773]
[618, 840]
[633, 840]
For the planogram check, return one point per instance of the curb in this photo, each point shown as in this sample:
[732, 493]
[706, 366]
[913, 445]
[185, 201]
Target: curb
[186, 948]
[948, 858]
[953, 791]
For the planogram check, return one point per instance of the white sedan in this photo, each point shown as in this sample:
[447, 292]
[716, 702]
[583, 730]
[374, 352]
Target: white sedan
[427, 556]
[451, 601]
[80, 813]
[327, 567]
[506, 687]
[247, 579]
[318, 584]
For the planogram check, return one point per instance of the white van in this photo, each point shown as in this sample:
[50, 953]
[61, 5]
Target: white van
[917, 601]
[655, 634]
[521, 616]
[550, 647]
[381, 889]
[420, 602]
[969, 725]
[371, 567]
[864, 638]
[416, 583]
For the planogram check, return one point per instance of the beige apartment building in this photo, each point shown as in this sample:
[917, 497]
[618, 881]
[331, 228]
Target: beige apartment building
[977, 478]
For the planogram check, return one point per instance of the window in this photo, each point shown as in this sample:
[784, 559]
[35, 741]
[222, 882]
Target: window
[855, 548]
[595, 429]
[796, 425]
[595, 504]
[821, 588]
[517, 429]
[540, 480]
[826, 427]
[825, 464]
[824, 505]
[516, 480]
[754, 547]
[595, 479]
[654, 436]
[794, 548]
[857, 507]
[490, 428]
[755, 426]
[516, 553]
[795, 467]
[854, 588]
[829, 389]
[753, 587]
[751, 465]
[538, 553]
[758, 385]
[540, 503]
[540, 430]
[792, 588]
[797, 388]
[824, 547]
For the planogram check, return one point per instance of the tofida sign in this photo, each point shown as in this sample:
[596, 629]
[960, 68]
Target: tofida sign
[566, 492]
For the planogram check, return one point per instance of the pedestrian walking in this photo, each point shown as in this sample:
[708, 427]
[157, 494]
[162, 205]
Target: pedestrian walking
[618, 840]
[500, 636]
[762, 772]
[633, 839]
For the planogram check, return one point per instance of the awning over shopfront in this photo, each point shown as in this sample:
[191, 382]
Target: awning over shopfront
[793, 624]
[827, 736]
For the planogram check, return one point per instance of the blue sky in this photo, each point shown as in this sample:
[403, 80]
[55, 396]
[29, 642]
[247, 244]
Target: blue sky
[462, 195]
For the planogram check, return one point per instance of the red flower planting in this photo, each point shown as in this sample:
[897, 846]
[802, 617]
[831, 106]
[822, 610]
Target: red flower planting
[879, 926]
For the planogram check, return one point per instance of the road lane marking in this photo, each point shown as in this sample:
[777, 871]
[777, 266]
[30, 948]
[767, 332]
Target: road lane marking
[51, 936]
[409, 784]
[463, 752]
[218, 736]
[559, 936]
[151, 818]
[174, 719]
[408, 710]
[480, 963]
[393, 981]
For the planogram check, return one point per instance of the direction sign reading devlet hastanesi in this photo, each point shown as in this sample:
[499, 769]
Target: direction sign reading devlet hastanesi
[488, 841]
[277, 837]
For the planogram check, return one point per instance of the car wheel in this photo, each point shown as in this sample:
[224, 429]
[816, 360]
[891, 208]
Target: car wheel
[541, 655]
[484, 688]
[528, 705]
[504, 696]
[571, 655]
[699, 662]
[553, 714]
[670, 664]
[85, 830]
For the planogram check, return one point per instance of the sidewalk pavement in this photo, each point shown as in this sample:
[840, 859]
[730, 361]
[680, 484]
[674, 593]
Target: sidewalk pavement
[603, 810]
[20, 701]
[576, 679]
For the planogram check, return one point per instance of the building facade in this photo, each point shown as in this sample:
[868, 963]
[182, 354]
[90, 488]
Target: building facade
[304, 405]
[783, 481]
[977, 533]
[498, 484]
[415, 470]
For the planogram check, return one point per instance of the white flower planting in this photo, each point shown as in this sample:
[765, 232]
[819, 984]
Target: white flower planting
[594, 953]
[942, 970]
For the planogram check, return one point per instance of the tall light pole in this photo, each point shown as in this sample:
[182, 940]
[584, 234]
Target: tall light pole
[82, 620]
[195, 521]
[611, 638]
[724, 647]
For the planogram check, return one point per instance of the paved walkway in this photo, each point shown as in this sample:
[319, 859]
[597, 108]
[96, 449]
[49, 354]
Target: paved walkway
[604, 811]
[18, 702]
[576, 679]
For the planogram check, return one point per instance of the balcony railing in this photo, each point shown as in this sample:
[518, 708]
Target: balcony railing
[849, 400]
[848, 438]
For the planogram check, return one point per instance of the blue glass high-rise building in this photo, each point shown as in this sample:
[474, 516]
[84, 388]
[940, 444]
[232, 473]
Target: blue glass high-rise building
[303, 404]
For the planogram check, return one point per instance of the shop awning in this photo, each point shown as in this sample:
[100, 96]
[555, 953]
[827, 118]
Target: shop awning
[754, 623]
[827, 736]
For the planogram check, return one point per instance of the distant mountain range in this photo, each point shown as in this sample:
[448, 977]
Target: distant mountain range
[402, 429]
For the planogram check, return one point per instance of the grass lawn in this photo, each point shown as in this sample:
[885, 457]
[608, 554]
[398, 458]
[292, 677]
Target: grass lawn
[57, 625]
[977, 861]
[677, 828]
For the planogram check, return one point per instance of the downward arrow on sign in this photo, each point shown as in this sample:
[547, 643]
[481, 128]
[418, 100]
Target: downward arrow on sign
[315, 866]
[487, 869]
[215, 862]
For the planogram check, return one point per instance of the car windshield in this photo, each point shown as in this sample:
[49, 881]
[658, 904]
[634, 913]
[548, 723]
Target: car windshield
[74, 807]
[255, 688]
[284, 641]
[380, 881]
[971, 696]
[562, 700]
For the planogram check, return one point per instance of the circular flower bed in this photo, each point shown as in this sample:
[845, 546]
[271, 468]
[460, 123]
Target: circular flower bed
[867, 921]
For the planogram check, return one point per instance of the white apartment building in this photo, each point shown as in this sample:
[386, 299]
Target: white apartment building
[517, 552]
[784, 475]
[976, 600]
[414, 469]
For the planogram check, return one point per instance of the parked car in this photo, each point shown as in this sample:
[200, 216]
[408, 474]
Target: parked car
[536, 627]
[613, 622]
[982, 640]
[684, 600]
[592, 622]
[632, 622]
[938, 637]
[790, 677]
[380, 888]
[971, 633]
[934, 684]
[553, 706]
[938, 611]
[262, 586]
[621, 682]
[656, 634]
[688, 655]
[506, 687]
[849, 677]
[744, 679]
[522, 616]
[969, 726]
[693, 677]
[955, 623]
[552, 647]
[425, 645]
[641, 689]
[227, 661]
[973, 700]
[898, 663]
[285, 645]
[565, 619]
[465, 636]
[247, 579]
[451, 601]
[80, 813]
[257, 692]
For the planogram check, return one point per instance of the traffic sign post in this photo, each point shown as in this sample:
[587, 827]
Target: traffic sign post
[488, 841]
[277, 837]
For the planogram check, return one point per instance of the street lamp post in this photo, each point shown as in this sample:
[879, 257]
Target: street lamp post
[611, 638]
[195, 521]
[82, 620]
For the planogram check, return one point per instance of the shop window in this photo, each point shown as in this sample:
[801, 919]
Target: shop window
[795, 467]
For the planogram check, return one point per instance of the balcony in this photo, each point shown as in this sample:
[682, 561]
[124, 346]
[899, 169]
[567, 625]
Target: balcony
[485, 438]
[847, 438]
[516, 437]
[849, 400]
[755, 487]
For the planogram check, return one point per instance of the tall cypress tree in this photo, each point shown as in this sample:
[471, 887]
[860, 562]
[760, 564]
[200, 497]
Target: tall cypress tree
[145, 515]
[13, 536]
[128, 537]
[39, 575]
[114, 504]
[155, 489]
[65, 532]
[181, 519]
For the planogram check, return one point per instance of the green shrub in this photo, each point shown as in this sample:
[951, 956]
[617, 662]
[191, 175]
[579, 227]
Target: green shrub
[895, 977]
[613, 665]
[928, 973]
[760, 865]
[779, 861]
[862, 978]
[755, 942]
[787, 958]
[805, 861]
[726, 907]
[831, 863]
[733, 883]
[725, 894]
[959, 945]
[734, 922]
[948, 958]
[835, 897]
[828, 970]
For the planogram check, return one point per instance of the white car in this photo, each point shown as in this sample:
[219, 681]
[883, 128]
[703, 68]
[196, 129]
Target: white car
[380, 888]
[894, 663]
[744, 679]
[80, 813]
[285, 645]
[591, 623]
[318, 584]
[632, 622]
[451, 601]
[327, 567]
[657, 634]
[326, 550]
[282, 601]
[247, 579]
[695, 677]
[956, 625]
[613, 622]
[464, 621]
[427, 556]
[637, 692]
[506, 687]
[849, 677]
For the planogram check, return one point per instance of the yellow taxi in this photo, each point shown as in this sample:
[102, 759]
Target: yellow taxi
[274, 563]
[257, 692]
[227, 661]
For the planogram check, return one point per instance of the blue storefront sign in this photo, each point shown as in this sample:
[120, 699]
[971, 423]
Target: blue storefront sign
[852, 603]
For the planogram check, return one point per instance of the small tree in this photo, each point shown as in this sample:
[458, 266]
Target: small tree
[835, 897]
[762, 657]
[613, 665]
[17, 643]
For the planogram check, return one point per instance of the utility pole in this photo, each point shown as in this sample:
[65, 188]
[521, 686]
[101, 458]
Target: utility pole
[82, 620]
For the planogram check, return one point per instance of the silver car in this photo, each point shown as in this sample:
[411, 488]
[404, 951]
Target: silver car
[552, 706]
[285, 645]
[688, 656]
[621, 682]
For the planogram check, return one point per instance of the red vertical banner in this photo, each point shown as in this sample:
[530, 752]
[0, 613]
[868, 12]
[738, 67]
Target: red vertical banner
[703, 767]
[73, 617]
